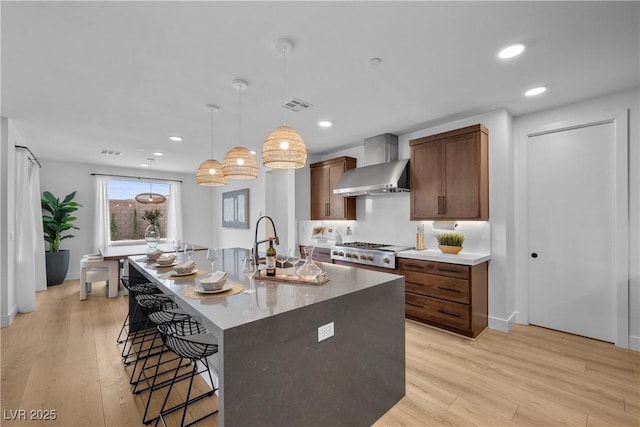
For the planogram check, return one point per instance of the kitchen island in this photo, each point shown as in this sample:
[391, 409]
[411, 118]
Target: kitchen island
[272, 369]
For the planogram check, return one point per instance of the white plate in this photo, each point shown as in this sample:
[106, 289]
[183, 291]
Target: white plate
[225, 287]
[158, 265]
[174, 274]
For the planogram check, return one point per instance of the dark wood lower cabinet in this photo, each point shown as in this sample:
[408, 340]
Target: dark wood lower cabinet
[450, 296]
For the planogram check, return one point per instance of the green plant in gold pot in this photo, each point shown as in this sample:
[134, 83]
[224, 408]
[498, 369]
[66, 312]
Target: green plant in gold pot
[450, 243]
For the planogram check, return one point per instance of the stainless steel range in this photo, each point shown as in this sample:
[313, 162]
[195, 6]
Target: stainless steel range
[375, 254]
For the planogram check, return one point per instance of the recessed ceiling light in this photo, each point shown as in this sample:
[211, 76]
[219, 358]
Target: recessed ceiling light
[158, 153]
[144, 165]
[535, 91]
[511, 51]
[252, 152]
[175, 138]
[325, 124]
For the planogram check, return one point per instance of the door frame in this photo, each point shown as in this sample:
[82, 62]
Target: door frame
[544, 124]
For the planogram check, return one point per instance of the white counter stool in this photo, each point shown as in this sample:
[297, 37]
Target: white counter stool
[93, 268]
[189, 340]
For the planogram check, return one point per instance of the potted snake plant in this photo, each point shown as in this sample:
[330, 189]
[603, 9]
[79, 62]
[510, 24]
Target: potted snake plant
[56, 222]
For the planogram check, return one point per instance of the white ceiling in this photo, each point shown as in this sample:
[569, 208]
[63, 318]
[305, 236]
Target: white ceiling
[78, 77]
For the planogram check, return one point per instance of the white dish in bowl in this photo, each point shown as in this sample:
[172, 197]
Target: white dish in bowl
[160, 265]
[176, 274]
[224, 288]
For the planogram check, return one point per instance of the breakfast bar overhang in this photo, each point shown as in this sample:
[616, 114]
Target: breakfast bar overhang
[273, 370]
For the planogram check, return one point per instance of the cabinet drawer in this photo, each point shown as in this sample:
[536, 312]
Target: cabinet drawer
[320, 254]
[443, 312]
[434, 267]
[442, 287]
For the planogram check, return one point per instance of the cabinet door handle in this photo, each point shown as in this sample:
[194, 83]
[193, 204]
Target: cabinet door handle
[448, 270]
[444, 204]
[414, 266]
[449, 289]
[440, 204]
[414, 304]
[327, 209]
[448, 314]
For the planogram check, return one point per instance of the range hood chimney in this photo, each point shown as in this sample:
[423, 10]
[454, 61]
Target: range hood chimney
[382, 173]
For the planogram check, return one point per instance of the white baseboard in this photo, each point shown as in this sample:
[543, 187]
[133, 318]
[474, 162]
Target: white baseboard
[503, 325]
[72, 275]
[6, 320]
[634, 343]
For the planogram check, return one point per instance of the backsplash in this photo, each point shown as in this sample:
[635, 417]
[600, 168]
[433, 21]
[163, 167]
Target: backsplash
[385, 219]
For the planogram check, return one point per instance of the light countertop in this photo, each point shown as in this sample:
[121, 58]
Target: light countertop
[464, 258]
[271, 298]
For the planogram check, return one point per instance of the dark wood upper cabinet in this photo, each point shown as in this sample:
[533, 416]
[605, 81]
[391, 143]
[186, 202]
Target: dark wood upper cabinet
[324, 177]
[450, 175]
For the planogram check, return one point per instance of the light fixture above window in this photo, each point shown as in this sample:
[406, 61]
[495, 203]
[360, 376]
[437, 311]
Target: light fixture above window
[210, 171]
[239, 163]
[284, 148]
[150, 198]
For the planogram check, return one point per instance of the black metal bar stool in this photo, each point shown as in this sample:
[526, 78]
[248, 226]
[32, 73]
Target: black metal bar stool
[136, 323]
[142, 344]
[157, 309]
[189, 340]
[160, 310]
[135, 285]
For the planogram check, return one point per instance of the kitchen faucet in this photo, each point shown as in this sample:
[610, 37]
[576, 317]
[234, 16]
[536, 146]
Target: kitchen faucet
[255, 239]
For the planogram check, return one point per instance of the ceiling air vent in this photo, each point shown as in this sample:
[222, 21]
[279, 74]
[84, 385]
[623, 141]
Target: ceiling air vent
[110, 152]
[296, 105]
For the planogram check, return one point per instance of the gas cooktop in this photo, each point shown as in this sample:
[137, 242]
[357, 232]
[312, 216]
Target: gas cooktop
[375, 254]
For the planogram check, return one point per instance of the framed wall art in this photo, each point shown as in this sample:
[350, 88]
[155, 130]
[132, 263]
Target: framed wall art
[235, 209]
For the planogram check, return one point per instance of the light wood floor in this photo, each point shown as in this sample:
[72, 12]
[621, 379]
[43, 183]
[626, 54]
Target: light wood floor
[63, 357]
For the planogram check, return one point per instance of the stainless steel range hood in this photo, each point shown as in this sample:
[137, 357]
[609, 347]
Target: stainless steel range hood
[382, 174]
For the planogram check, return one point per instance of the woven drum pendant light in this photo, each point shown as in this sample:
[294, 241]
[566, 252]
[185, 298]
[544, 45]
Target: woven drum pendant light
[210, 171]
[150, 198]
[239, 163]
[284, 148]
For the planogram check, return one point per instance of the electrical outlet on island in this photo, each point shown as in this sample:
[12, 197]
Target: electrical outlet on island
[325, 332]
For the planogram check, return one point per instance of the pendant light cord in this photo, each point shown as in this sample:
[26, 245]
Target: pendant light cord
[211, 133]
[240, 116]
[284, 83]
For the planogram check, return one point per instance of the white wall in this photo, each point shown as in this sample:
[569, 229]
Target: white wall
[386, 218]
[61, 178]
[233, 237]
[606, 106]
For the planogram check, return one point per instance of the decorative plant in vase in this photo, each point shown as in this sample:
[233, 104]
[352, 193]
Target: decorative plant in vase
[152, 233]
[450, 243]
[55, 224]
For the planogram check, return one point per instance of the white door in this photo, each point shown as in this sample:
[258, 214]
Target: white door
[572, 230]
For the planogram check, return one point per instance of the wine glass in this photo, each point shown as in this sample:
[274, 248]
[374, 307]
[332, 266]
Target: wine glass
[250, 270]
[176, 245]
[282, 257]
[294, 258]
[188, 250]
[212, 256]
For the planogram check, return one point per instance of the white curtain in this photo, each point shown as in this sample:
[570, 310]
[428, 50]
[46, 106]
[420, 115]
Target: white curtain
[29, 244]
[174, 212]
[101, 215]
